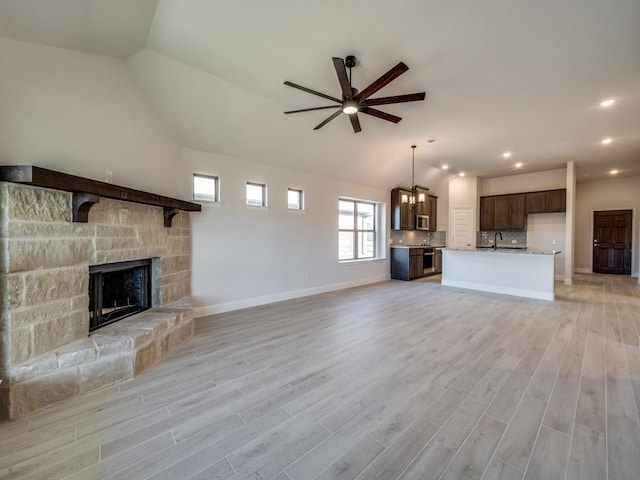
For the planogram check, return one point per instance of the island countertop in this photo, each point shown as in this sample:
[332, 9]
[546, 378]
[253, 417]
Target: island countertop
[520, 251]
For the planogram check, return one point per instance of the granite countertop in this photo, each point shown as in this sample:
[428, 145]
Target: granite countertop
[401, 245]
[514, 251]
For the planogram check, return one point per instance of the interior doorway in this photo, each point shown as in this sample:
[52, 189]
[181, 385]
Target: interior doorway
[461, 227]
[612, 235]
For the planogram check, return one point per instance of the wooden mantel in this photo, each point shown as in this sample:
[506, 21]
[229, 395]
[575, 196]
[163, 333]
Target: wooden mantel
[87, 192]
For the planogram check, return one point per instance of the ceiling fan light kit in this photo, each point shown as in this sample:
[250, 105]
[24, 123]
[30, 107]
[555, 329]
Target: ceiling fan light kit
[354, 101]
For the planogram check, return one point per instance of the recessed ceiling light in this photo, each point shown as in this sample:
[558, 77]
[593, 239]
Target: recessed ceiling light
[608, 102]
[613, 172]
[606, 141]
[461, 174]
[518, 165]
[445, 166]
[506, 154]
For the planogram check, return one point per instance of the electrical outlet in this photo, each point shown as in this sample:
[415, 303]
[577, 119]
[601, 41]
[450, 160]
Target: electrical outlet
[553, 242]
[514, 241]
[108, 176]
[196, 292]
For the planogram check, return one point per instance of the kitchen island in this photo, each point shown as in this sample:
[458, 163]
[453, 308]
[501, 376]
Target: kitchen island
[511, 271]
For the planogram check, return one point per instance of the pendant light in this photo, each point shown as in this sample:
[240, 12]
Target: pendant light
[412, 197]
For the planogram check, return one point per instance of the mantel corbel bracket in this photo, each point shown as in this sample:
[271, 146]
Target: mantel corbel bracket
[81, 204]
[169, 213]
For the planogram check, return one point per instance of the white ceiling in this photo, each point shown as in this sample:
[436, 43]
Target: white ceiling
[516, 75]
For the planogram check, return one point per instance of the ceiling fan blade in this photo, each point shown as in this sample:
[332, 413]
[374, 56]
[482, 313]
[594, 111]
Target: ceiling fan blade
[380, 114]
[328, 120]
[388, 77]
[311, 109]
[355, 122]
[313, 92]
[341, 70]
[410, 97]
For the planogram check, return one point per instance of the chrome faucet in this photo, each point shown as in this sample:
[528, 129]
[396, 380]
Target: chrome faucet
[495, 240]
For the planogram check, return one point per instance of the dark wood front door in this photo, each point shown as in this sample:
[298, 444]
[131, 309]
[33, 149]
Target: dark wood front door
[612, 242]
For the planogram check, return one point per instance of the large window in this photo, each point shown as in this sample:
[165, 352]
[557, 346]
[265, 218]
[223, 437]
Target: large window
[356, 229]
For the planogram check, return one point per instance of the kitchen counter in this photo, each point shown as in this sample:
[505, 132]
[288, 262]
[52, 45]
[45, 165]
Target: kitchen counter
[511, 271]
[398, 245]
[510, 250]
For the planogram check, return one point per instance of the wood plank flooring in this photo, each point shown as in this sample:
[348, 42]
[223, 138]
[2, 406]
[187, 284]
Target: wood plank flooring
[395, 380]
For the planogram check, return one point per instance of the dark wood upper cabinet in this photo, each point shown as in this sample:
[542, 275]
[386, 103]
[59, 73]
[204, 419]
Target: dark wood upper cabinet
[517, 217]
[422, 201]
[547, 201]
[487, 212]
[556, 200]
[503, 212]
[536, 202]
[402, 215]
[509, 212]
[433, 212]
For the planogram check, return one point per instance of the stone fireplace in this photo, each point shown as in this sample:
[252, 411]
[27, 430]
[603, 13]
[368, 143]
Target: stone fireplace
[47, 353]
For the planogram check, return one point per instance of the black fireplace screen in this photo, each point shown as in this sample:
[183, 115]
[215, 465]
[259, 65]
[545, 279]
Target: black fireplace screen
[118, 290]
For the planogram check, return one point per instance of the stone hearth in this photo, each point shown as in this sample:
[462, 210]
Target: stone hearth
[46, 353]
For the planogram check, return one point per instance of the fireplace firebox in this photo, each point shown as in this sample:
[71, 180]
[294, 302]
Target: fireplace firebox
[117, 291]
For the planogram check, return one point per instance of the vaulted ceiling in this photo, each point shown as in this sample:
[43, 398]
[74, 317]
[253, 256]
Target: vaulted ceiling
[500, 75]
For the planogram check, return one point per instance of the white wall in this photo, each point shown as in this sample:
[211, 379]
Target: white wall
[542, 230]
[243, 256]
[526, 182]
[82, 114]
[610, 194]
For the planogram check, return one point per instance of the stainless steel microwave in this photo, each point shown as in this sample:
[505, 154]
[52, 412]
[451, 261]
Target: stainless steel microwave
[422, 222]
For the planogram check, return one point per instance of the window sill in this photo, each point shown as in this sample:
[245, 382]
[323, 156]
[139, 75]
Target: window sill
[361, 260]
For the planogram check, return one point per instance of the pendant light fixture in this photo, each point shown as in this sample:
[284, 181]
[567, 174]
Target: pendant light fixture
[414, 195]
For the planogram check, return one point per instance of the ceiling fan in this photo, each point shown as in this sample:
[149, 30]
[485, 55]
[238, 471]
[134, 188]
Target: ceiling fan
[354, 101]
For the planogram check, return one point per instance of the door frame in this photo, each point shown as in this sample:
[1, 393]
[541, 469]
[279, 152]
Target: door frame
[472, 225]
[634, 235]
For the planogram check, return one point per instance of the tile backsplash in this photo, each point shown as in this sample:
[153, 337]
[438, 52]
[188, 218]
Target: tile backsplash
[418, 237]
[513, 239]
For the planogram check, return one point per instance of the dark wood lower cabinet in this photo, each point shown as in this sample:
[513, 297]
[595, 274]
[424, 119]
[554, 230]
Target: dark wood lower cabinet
[407, 263]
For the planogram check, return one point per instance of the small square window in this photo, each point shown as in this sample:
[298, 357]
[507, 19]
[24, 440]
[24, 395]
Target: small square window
[256, 194]
[205, 188]
[295, 199]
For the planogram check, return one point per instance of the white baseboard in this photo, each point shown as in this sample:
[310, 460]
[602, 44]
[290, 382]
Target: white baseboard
[582, 270]
[279, 297]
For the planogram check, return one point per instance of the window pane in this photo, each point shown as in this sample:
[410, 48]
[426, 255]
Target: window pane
[294, 199]
[205, 188]
[255, 194]
[346, 213]
[345, 245]
[366, 216]
[366, 244]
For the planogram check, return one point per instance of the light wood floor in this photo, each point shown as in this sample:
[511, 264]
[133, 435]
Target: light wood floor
[393, 381]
